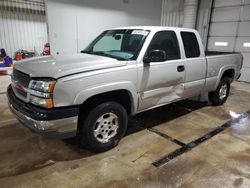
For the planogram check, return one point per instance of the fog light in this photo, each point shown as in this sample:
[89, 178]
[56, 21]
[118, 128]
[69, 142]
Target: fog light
[46, 103]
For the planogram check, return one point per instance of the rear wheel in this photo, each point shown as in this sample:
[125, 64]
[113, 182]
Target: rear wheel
[220, 95]
[104, 126]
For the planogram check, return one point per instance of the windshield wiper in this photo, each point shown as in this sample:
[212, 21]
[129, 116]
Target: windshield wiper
[108, 55]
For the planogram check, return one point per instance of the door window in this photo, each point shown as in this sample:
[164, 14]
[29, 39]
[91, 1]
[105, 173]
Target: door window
[166, 41]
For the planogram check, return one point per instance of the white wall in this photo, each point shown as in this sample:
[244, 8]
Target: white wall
[73, 24]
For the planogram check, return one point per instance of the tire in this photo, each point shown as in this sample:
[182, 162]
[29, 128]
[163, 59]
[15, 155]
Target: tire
[220, 95]
[104, 127]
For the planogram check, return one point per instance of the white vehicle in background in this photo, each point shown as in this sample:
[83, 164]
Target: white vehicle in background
[124, 71]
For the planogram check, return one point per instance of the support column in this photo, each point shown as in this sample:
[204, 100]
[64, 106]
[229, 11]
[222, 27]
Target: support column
[190, 13]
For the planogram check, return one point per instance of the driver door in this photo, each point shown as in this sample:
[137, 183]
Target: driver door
[162, 82]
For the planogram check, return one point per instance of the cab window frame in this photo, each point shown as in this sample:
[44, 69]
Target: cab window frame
[196, 53]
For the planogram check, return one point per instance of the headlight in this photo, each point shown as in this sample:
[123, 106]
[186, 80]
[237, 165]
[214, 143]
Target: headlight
[43, 86]
[41, 92]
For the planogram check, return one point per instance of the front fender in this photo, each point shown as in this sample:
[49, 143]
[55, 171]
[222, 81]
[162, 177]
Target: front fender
[108, 87]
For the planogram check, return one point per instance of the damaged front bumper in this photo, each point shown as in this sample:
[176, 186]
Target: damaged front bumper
[54, 123]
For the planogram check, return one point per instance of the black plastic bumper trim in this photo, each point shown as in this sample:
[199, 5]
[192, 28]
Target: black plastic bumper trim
[40, 114]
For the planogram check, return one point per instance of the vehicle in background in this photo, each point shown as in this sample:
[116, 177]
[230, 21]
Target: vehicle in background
[124, 71]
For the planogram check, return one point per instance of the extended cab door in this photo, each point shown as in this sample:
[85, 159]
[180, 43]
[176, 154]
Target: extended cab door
[195, 64]
[161, 82]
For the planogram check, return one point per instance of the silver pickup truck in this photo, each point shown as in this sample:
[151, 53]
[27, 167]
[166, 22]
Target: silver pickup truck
[124, 71]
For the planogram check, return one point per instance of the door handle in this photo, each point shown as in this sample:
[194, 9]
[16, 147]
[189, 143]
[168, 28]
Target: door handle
[180, 68]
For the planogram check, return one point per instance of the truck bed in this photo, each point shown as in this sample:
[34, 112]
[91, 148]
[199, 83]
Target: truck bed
[216, 60]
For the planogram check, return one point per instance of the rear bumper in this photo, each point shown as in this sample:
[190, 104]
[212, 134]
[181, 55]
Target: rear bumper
[54, 123]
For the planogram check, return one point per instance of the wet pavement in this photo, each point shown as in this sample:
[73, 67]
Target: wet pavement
[221, 160]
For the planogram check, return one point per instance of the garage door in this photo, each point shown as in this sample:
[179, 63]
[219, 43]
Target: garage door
[230, 30]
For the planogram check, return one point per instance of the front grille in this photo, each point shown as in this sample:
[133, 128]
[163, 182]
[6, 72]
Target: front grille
[21, 78]
[21, 92]
[21, 81]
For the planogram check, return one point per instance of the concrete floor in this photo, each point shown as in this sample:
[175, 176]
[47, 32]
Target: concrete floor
[29, 160]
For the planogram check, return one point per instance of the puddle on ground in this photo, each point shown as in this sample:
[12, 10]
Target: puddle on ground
[240, 123]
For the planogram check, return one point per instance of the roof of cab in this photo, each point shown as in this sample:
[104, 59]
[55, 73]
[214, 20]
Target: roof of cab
[155, 28]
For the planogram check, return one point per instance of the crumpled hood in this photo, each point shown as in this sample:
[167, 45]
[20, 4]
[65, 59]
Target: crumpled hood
[63, 65]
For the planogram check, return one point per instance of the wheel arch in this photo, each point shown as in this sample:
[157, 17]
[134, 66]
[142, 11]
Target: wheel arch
[109, 90]
[228, 71]
[121, 96]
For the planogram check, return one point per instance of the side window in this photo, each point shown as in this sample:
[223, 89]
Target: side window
[166, 41]
[191, 44]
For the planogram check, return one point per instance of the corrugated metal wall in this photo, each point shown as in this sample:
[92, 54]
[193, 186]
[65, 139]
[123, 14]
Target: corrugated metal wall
[230, 30]
[190, 13]
[172, 13]
[22, 25]
[186, 13]
[179, 13]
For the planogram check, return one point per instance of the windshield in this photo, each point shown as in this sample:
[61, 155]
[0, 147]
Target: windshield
[118, 44]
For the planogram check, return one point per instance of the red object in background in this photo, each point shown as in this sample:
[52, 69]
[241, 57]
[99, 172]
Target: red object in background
[4, 72]
[46, 50]
[19, 56]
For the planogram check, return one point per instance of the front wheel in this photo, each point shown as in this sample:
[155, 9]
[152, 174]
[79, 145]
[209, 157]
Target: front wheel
[104, 126]
[220, 95]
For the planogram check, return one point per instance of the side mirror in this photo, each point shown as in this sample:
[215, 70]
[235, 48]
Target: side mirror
[155, 56]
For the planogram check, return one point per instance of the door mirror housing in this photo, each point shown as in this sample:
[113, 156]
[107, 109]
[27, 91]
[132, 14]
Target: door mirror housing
[155, 56]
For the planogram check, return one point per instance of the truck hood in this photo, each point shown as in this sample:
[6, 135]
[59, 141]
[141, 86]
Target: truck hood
[63, 65]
